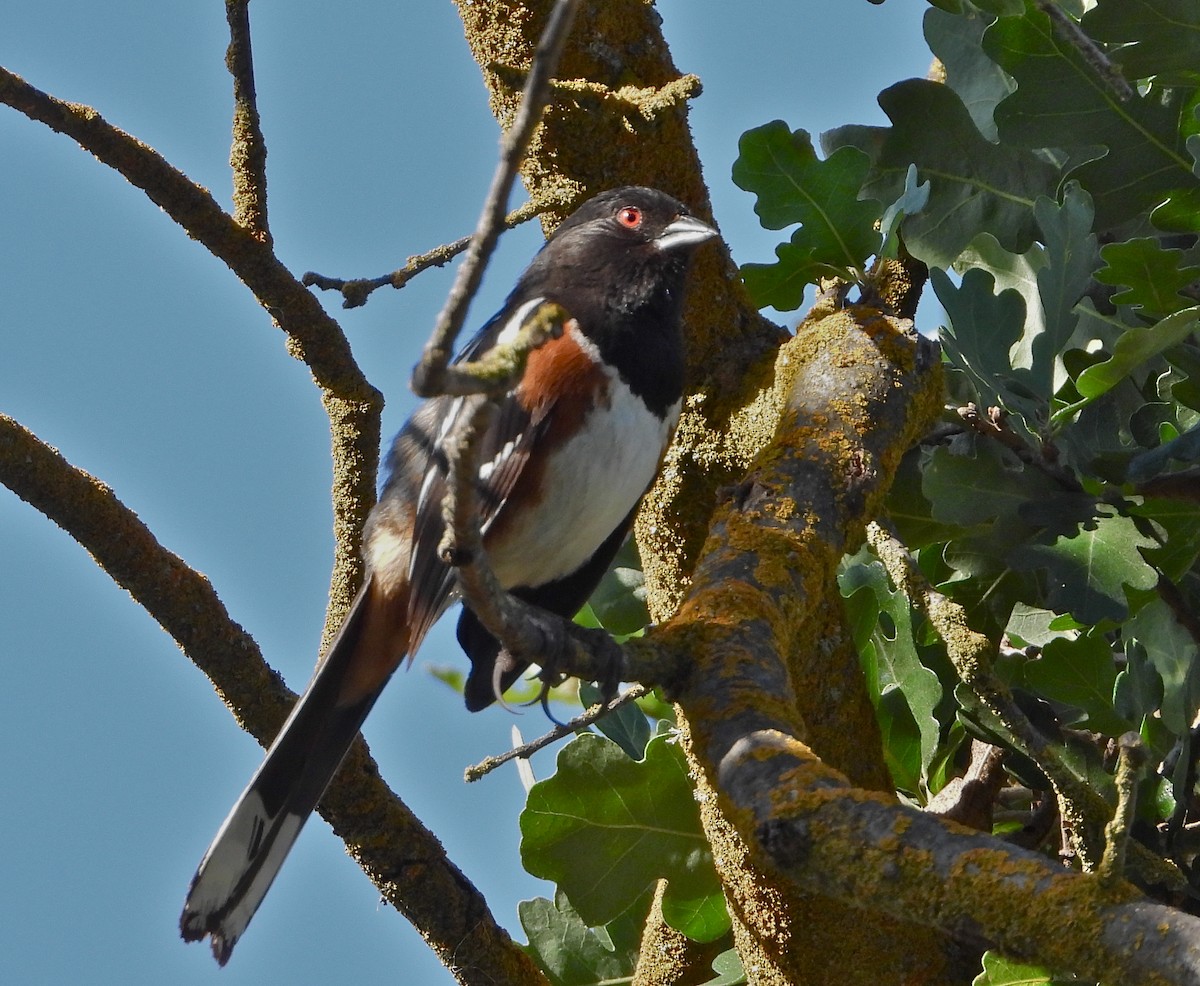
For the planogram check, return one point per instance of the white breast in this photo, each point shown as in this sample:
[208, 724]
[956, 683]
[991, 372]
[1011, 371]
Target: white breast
[590, 484]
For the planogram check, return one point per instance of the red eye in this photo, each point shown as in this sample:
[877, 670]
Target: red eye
[630, 217]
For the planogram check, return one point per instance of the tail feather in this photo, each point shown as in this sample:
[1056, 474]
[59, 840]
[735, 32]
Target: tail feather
[254, 840]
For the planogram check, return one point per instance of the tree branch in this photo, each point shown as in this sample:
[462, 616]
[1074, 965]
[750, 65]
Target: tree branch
[971, 654]
[858, 393]
[404, 860]
[248, 155]
[314, 337]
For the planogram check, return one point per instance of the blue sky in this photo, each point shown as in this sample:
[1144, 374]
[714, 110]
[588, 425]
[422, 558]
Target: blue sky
[142, 359]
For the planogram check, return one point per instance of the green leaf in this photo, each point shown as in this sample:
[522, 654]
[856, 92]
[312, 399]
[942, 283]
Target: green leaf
[618, 603]
[792, 185]
[571, 953]
[704, 918]
[1080, 673]
[627, 726]
[1011, 271]
[1152, 275]
[999, 970]
[1139, 158]
[975, 184]
[982, 331]
[1086, 574]
[1133, 349]
[1139, 688]
[912, 200]
[957, 40]
[605, 827]
[977, 488]
[1158, 38]
[1001, 8]
[1147, 465]
[728, 967]
[909, 509]
[881, 621]
[781, 285]
[1178, 522]
[901, 743]
[1172, 651]
[1031, 625]
[1070, 257]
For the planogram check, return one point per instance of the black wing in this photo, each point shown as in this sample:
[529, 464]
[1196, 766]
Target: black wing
[419, 473]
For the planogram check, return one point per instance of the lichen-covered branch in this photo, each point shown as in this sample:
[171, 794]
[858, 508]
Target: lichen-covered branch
[618, 116]
[860, 847]
[313, 336]
[859, 389]
[405, 860]
[971, 654]
[248, 155]
[1131, 760]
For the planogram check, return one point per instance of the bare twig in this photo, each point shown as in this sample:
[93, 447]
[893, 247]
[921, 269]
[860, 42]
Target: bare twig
[356, 291]
[995, 425]
[248, 155]
[429, 373]
[1070, 31]
[526, 750]
[970, 799]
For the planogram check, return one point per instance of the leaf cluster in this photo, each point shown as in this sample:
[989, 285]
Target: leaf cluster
[617, 816]
[1051, 185]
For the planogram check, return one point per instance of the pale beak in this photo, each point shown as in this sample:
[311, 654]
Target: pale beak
[683, 231]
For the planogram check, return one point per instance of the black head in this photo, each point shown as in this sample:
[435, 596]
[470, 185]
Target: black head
[618, 264]
[636, 215]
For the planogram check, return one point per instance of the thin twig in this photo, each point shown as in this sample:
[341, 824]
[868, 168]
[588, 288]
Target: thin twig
[315, 338]
[1070, 31]
[429, 373]
[970, 799]
[995, 425]
[356, 291]
[526, 750]
[248, 155]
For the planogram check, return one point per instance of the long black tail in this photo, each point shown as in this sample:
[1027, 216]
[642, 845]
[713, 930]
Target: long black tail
[256, 837]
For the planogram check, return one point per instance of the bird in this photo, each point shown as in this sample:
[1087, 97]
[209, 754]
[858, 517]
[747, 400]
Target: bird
[574, 446]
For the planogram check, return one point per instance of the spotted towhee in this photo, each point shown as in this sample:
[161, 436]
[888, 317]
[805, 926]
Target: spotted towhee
[575, 445]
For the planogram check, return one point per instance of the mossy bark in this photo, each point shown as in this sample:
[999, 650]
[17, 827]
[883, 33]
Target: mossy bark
[619, 117]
